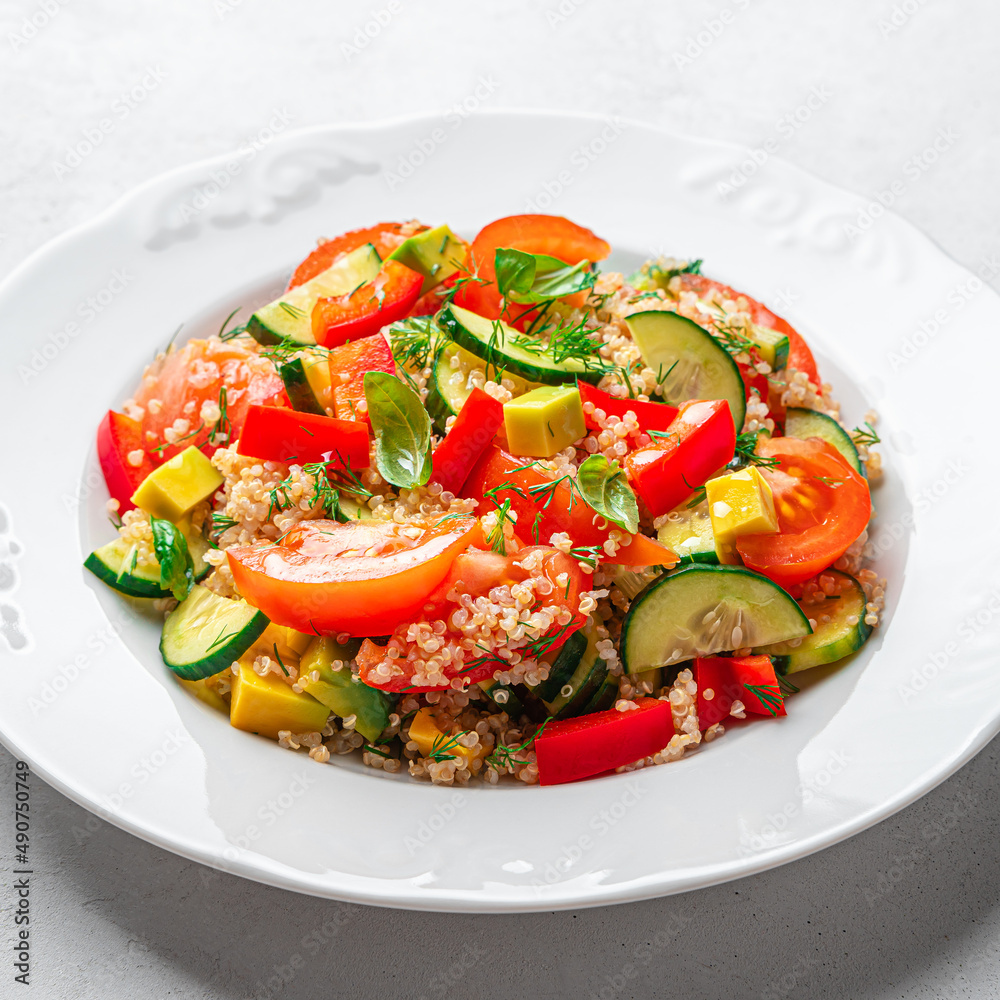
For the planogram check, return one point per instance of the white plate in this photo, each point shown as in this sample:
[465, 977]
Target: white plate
[89, 704]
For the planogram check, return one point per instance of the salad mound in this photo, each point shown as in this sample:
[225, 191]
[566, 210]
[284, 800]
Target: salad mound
[481, 510]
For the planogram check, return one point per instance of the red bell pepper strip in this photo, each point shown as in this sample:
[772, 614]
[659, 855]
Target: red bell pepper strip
[367, 309]
[348, 364]
[118, 437]
[699, 442]
[544, 507]
[651, 416]
[571, 749]
[385, 237]
[277, 434]
[724, 679]
[472, 433]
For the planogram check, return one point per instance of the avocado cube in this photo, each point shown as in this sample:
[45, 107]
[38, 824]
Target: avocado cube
[341, 692]
[544, 421]
[772, 345]
[434, 253]
[739, 504]
[266, 705]
[176, 486]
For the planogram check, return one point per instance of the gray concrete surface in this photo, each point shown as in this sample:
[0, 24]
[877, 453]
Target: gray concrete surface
[908, 909]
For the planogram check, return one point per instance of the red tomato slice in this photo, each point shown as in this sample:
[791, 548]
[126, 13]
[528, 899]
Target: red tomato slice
[177, 388]
[118, 437]
[749, 679]
[571, 749]
[822, 505]
[348, 364]
[363, 577]
[385, 237]
[548, 510]
[479, 573]
[388, 298]
[799, 356]
[700, 442]
[279, 434]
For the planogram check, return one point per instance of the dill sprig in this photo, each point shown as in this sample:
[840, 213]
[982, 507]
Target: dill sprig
[769, 695]
[292, 310]
[587, 554]
[497, 538]
[700, 495]
[548, 491]
[866, 435]
[236, 331]
[416, 342]
[281, 663]
[746, 452]
[442, 744]
[505, 757]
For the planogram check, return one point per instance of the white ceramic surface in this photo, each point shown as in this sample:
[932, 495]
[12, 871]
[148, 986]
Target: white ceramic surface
[86, 700]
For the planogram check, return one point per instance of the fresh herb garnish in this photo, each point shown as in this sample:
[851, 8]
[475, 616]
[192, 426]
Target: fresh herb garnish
[277, 656]
[504, 757]
[865, 435]
[236, 331]
[603, 485]
[442, 744]
[746, 452]
[587, 554]
[769, 695]
[528, 278]
[497, 538]
[292, 310]
[176, 565]
[402, 430]
[416, 342]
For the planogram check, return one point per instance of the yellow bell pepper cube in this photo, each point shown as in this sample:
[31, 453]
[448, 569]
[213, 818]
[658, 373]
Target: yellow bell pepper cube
[425, 732]
[266, 705]
[176, 486]
[739, 504]
[544, 421]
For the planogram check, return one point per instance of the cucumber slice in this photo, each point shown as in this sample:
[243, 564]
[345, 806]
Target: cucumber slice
[504, 697]
[290, 315]
[307, 381]
[800, 423]
[695, 611]
[688, 532]
[447, 394]
[206, 632]
[495, 343]
[562, 667]
[604, 697]
[113, 564]
[340, 690]
[692, 362]
[832, 640]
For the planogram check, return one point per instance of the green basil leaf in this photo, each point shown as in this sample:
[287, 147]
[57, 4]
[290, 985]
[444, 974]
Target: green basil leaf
[527, 278]
[604, 486]
[402, 430]
[176, 566]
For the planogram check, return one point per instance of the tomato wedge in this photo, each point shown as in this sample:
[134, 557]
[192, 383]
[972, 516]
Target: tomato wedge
[477, 573]
[799, 356]
[822, 504]
[119, 439]
[178, 387]
[544, 508]
[385, 237]
[571, 749]
[366, 310]
[362, 577]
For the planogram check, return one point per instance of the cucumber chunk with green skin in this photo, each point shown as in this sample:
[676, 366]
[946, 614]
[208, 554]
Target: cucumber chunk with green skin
[688, 533]
[435, 253]
[801, 423]
[690, 362]
[496, 344]
[300, 392]
[699, 610]
[114, 565]
[605, 696]
[573, 697]
[504, 697]
[340, 690]
[832, 640]
[205, 633]
[290, 315]
[562, 668]
[772, 346]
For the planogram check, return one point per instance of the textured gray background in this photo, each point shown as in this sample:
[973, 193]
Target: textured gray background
[908, 909]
